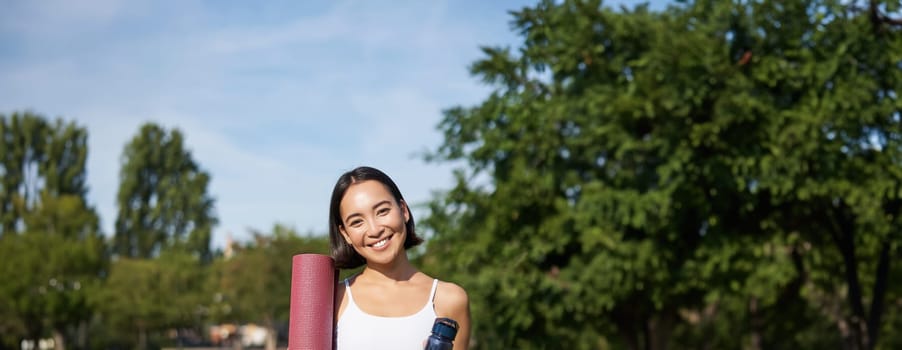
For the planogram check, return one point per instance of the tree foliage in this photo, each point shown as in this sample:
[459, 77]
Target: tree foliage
[719, 174]
[53, 252]
[144, 300]
[39, 158]
[162, 199]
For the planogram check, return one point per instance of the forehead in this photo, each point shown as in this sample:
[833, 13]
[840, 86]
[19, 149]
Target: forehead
[365, 194]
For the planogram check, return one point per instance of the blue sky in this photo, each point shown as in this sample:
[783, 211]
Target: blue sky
[276, 98]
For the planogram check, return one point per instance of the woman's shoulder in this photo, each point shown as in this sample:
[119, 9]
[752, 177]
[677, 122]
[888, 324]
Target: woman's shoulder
[450, 297]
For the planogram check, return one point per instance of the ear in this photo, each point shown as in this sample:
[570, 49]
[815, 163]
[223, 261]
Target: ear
[406, 210]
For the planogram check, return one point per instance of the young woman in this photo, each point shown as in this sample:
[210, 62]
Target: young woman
[390, 304]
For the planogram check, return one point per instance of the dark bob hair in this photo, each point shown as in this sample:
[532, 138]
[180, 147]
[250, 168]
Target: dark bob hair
[344, 254]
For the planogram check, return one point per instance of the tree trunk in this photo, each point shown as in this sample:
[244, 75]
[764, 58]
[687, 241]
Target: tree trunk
[843, 235]
[659, 329]
[81, 341]
[881, 284]
[754, 334]
[626, 326]
[142, 337]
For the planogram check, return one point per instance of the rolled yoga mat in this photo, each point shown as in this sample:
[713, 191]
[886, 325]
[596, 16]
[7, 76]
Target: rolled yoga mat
[310, 321]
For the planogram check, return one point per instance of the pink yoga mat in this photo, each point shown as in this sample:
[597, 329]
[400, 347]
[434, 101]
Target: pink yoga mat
[310, 322]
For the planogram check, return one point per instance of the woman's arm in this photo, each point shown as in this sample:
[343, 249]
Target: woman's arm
[452, 302]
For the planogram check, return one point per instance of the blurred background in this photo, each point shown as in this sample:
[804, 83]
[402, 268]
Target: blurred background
[597, 174]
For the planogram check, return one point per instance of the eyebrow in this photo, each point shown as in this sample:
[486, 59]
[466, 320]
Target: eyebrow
[374, 207]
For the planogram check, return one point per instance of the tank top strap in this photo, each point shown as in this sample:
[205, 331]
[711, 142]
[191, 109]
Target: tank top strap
[348, 291]
[432, 293]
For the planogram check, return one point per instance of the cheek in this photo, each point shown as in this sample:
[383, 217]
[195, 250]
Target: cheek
[392, 223]
[399, 223]
[348, 237]
[353, 239]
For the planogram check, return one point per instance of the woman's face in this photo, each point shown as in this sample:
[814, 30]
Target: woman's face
[373, 222]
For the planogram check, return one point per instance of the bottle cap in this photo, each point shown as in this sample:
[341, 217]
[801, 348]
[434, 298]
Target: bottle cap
[445, 327]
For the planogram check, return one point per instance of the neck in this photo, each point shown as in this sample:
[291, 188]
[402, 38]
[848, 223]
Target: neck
[400, 270]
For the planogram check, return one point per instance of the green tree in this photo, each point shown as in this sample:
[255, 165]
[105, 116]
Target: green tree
[53, 251]
[147, 301]
[48, 281]
[254, 284]
[162, 199]
[132, 303]
[691, 178]
[23, 145]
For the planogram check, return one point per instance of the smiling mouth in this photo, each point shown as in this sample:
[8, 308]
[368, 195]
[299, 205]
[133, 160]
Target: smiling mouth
[381, 243]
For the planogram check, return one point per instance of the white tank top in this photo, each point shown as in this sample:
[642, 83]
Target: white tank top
[365, 331]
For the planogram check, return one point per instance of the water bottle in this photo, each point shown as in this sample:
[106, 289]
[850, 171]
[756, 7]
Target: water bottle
[443, 332]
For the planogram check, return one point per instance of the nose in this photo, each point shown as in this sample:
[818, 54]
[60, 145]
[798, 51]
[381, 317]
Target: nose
[374, 229]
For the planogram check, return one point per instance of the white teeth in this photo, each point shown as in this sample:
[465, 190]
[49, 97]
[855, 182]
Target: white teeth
[381, 243]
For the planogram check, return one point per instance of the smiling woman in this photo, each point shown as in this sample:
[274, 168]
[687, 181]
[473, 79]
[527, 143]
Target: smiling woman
[393, 305]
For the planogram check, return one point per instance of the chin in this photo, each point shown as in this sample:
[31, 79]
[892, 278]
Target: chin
[386, 258]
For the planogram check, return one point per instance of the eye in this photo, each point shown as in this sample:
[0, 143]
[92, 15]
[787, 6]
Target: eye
[355, 223]
[383, 211]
